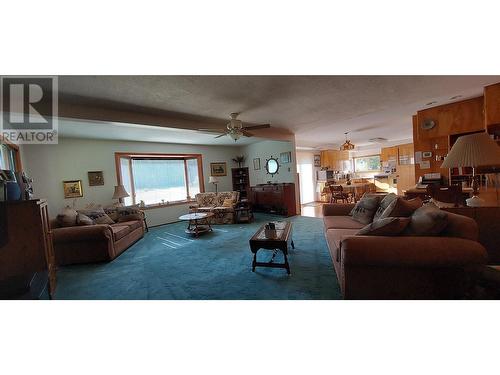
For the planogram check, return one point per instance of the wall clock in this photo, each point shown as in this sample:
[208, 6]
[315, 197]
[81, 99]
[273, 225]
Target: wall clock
[428, 124]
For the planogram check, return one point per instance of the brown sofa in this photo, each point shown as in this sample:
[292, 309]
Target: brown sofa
[401, 267]
[94, 243]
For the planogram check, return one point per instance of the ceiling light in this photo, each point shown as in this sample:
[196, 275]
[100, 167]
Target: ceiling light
[455, 97]
[378, 140]
[235, 134]
[347, 144]
[431, 103]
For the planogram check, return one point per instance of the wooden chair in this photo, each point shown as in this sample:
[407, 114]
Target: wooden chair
[337, 193]
[447, 194]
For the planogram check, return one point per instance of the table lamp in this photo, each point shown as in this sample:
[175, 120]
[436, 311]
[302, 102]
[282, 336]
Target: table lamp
[120, 193]
[473, 150]
[214, 180]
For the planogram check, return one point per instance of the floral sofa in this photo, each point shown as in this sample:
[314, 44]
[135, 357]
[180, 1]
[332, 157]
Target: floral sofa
[212, 202]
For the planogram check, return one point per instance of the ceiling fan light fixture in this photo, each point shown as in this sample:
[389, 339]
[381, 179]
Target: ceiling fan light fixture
[347, 145]
[235, 134]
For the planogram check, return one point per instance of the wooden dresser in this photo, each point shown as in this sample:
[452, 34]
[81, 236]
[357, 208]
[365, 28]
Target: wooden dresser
[26, 251]
[274, 198]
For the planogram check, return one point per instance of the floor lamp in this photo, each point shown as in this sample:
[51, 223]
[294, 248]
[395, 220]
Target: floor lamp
[473, 150]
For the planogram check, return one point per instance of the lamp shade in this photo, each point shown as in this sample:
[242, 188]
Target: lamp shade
[473, 150]
[120, 192]
[213, 180]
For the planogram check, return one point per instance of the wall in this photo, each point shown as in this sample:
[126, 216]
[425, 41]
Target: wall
[264, 150]
[72, 158]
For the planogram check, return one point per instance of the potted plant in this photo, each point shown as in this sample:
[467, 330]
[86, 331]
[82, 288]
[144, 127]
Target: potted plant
[239, 160]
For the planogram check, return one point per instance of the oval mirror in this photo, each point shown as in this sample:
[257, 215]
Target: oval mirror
[272, 166]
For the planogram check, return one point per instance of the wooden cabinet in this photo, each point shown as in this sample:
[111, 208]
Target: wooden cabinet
[405, 154]
[333, 159]
[389, 154]
[274, 198]
[27, 249]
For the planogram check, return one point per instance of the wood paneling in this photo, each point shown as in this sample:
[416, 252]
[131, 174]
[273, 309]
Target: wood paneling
[406, 177]
[492, 104]
[454, 118]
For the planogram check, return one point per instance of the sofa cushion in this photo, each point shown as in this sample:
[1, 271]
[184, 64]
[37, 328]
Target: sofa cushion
[341, 222]
[67, 217]
[82, 219]
[384, 203]
[389, 226]
[97, 215]
[129, 213]
[365, 209]
[427, 220]
[132, 224]
[112, 212]
[120, 231]
[401, 208]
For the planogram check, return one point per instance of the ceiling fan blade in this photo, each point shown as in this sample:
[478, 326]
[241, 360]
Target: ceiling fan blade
[246, 134]
[212, 130]
[221, 135]
[263, 126]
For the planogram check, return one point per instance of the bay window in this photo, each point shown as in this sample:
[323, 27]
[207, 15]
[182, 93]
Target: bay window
[157, 179]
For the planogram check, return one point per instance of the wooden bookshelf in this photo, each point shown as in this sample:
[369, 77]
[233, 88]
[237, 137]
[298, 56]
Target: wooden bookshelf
[241, 181]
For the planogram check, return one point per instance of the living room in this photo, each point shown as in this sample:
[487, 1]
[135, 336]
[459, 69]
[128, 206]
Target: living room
[174, 218]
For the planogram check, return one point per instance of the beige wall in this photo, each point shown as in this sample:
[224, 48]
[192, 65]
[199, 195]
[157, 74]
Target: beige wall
[264, 150]
[71, 159]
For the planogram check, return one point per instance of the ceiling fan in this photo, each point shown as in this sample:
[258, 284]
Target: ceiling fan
[235, 128]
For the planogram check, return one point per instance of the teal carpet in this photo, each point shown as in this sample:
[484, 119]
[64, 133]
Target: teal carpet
[167, 264]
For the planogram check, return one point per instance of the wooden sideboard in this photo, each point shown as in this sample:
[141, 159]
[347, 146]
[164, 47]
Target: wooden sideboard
[274, 198]
[27, 251]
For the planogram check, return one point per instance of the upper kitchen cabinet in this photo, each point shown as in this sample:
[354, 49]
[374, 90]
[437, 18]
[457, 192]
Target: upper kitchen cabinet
[334, 159]
[389, 154]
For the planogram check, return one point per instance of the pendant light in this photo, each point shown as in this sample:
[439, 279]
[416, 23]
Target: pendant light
[347, 144]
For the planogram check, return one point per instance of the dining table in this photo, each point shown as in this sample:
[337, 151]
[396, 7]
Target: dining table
[357, 189]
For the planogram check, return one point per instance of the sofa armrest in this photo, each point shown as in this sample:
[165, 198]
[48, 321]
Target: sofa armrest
[411, 251]
[82, 233]
[337, 209]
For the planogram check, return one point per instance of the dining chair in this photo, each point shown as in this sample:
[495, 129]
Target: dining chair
[337, 194]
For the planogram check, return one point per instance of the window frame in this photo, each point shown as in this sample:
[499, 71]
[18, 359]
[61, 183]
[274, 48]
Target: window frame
[367, 156]
[159, 156]
[17, 155]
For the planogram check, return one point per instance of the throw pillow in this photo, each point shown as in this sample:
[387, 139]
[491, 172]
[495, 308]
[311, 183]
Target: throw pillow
[67, 217]
[112, 212]
[364, 210]
[97, 215]
[82, 219]
[401, 208]
[228, 202]
[129, 213]
[390, 226]
[384, 203]
[427, 220]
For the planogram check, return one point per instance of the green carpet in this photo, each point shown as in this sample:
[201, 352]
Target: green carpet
[167, 264]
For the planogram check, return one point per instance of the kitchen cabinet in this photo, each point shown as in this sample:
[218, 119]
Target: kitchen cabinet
[389, 154]
[334, 159]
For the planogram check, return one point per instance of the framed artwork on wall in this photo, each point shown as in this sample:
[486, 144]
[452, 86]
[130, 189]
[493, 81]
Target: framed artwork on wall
[317, 160]
[256, 164]
[218, 169]
[96, 178]
[286, 157]
[73, 189]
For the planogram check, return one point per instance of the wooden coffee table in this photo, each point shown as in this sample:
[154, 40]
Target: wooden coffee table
[197, 223]
[279, 243]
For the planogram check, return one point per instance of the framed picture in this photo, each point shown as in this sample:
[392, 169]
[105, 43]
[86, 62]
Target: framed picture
[317, 160]
[256, 164]
[96, 178]
[218, 169]
[286, 157]
[73, 189]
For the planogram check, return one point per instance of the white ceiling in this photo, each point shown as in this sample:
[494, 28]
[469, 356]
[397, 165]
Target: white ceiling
[318, 109]
[71, 128]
